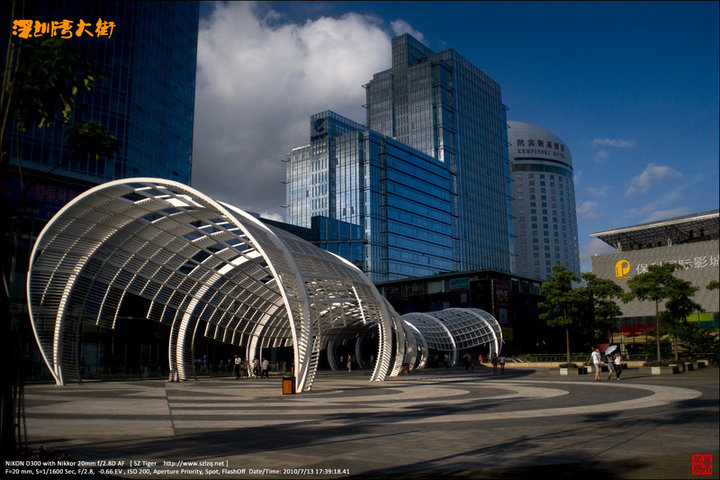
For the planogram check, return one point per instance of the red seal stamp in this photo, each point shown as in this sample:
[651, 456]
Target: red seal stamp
[701, 464]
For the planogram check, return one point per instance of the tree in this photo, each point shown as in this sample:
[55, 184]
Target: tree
[713, 285]
[659, 284]
[698, 340]
[41, 82]
[602, 309]
[652, 338]
[562, 305]
[678, 307]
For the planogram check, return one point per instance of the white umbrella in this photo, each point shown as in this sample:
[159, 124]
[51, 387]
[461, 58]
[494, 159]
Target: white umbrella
[610, 349]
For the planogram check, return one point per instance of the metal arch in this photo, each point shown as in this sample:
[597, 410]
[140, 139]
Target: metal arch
[421, 321]
[470, 327]
[399, 334]
[302, 342]
[461, 328]
[418, 344]
[187, 298]
[493, 324]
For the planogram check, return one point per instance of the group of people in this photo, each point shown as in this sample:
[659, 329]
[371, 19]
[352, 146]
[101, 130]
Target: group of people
[613, 361]
[498, 361]
[256, 369]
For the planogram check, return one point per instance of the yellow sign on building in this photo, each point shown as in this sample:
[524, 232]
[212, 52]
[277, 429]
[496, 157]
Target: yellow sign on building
[622, 268]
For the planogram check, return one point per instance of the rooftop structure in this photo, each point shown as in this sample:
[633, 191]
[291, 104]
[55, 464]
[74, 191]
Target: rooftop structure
[672, 231]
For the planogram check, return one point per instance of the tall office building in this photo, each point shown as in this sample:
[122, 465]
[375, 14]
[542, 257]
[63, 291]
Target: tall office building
[544, 215]
[401, 198]
[146, 51]
[147, 54]
[445, 107]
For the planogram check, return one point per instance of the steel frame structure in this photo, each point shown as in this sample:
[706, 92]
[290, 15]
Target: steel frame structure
[453, 330]
[205, 268]
[208, 268]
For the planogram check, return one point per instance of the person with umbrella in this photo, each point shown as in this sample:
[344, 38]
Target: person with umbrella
[610, 360]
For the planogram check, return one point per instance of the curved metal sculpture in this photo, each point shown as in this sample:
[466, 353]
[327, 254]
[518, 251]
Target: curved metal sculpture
[202, 267]
[455, 329]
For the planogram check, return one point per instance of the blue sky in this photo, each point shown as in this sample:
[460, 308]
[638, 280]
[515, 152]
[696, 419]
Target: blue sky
[631, 87]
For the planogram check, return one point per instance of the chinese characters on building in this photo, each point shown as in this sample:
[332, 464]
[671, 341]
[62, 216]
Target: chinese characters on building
[62, 28]
[541, 147]
[686, 263]
[531, 142]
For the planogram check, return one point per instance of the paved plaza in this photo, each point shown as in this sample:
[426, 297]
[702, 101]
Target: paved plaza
[435, 423]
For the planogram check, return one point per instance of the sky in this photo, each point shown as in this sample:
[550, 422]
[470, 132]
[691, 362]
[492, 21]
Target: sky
[630, 87]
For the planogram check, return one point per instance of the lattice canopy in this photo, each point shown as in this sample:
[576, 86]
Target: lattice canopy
[202, 267]
[455, 329]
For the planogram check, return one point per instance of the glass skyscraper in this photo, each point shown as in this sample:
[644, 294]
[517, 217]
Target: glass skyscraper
[545, 219]
[146, 99]
[401, 198]
[445, 107]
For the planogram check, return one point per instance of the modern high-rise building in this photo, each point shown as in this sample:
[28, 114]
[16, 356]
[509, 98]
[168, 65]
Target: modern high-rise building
[445, 107]
[401, 198]
[146, 52]
[544, 215]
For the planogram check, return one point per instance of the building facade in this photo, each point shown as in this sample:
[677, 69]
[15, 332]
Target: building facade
[146, 52]
[544, 214]
[510, 299]
[445, 107]
[341, 238]
[690, 241]
[146, 98]
[400, 198]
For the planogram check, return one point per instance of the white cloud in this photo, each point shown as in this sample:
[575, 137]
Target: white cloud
[665, 214]
[601, 156]
[577, 176]
[597, 191]
[651, 175]
[400, 27]
[613, 142]
[258, 82]
[586, 210]
[272, 216]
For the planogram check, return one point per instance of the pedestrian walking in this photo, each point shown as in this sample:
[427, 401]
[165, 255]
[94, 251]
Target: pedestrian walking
[618, 365]
[244, 368]
[610, 362]
[349, 363]
[256, 368]
[595, 361]
[264, 372]
[501, 362]
[238, 364]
